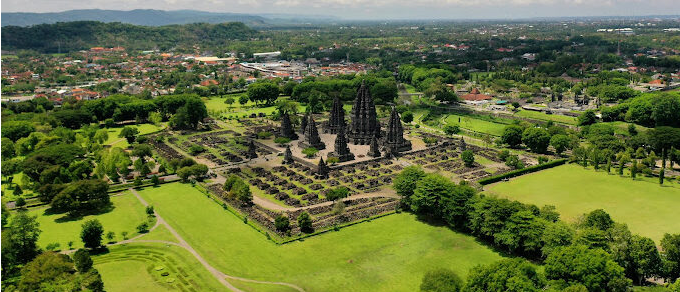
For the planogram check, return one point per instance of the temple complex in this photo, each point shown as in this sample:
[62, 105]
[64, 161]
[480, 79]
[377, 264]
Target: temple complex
[374, 151]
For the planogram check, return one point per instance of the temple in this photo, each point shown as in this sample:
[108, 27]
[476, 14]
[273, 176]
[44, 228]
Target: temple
[364, 118]
[394, 140]
[287, 156]
[337, 118]
[303, 124]
[287, 128]
[374, 151]
[251, 153]
[341, 149]
[312, 138]
[322, 170]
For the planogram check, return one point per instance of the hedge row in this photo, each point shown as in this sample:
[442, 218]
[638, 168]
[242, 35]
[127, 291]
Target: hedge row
[518, 172]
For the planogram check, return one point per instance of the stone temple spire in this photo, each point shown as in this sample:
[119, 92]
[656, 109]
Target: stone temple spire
[374, 151]
[286, 127]
[341, 149]
[287, 156]
[322, 169]
[337, 118]
[303, 124]
[312, 138]
[364, 118]
[395, 141]
[251, 153]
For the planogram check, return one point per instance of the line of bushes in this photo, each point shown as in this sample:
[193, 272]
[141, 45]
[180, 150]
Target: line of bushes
[523, 171]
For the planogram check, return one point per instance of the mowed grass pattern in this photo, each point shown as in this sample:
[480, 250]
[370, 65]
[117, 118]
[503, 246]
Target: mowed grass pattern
[388, 254]
[139, 267]
[127, 213]
[648, 208]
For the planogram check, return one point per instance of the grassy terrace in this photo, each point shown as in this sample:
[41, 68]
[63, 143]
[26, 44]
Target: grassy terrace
[387, 254]
[648, 208]
[140, 267]
[126, 214]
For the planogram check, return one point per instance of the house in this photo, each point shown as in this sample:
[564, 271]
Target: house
[209, 82]
[475, 95]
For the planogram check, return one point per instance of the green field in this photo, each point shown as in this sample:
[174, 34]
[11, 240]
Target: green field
[139, 267]
[115, 141]
[474, 124]
[648, 208]
[127, 213]
[546, 117]
[388, 254]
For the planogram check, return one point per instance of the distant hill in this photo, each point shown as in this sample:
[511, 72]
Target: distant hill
[148, 17]
[79, 35]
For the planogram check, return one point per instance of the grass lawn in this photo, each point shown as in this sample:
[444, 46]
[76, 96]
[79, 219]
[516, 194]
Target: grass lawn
[546, 117]
[648, 208]
[471, 123]
[139, 267]
[115, 141]
[8, 193]
[621, 128]
[127, 213]
[388, 254]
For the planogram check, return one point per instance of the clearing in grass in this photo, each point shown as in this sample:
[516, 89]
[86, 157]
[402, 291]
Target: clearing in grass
[126, 215]
[387, 254]
[648, 208]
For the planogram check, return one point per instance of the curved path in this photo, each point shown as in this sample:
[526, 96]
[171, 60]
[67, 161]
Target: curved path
[221, 277]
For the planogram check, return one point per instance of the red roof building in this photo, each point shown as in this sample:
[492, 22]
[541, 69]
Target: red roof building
[475, 95]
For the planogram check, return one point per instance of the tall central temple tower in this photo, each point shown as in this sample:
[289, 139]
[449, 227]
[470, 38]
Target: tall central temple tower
[364, 118]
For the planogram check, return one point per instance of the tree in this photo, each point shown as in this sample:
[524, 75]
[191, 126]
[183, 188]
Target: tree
[587, 118]
[505, 275]
[17, 129]
[537, 139]
[407, 117]
[49, 269]
[7, 149]
[560, 142]
[243, 99]
[429, 194]
[512, 135]
[190, 114]
[129, 133]
[468, 158]
[305, 222]
[263, 92]
[91, 234]
[670, 246]
[593, 268]
[441, 280]
[155, 180]
[451, 129]
[229, 101]
[142, 151]
[19, 241]
[645, 258]
[337, 193]
[281, 223]
[406, 180]
[556, 235]
[599, 219]
[84, 196]
[82, 260]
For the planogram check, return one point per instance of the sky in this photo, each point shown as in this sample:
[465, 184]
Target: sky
[375, 9]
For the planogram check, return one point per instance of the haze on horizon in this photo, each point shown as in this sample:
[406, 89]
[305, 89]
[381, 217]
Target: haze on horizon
[377, 9]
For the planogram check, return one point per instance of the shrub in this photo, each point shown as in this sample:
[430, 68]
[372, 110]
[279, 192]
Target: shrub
[452, 129]
[282, 140]
[310, 152]
[519, 172]
[337, 193]
[305, 222]
[441, 280]
[143, 227]
[196, 149]
[281, 223]
[468, 158]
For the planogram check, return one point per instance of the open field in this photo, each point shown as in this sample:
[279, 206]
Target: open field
[474, 124]
[139, 267]
[127, 213]
[115, 141]
[648, 208]
[546, 117]
[621, 128]
[388, 254]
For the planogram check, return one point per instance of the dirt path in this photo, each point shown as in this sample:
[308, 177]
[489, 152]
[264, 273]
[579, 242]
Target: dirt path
[221, 277]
